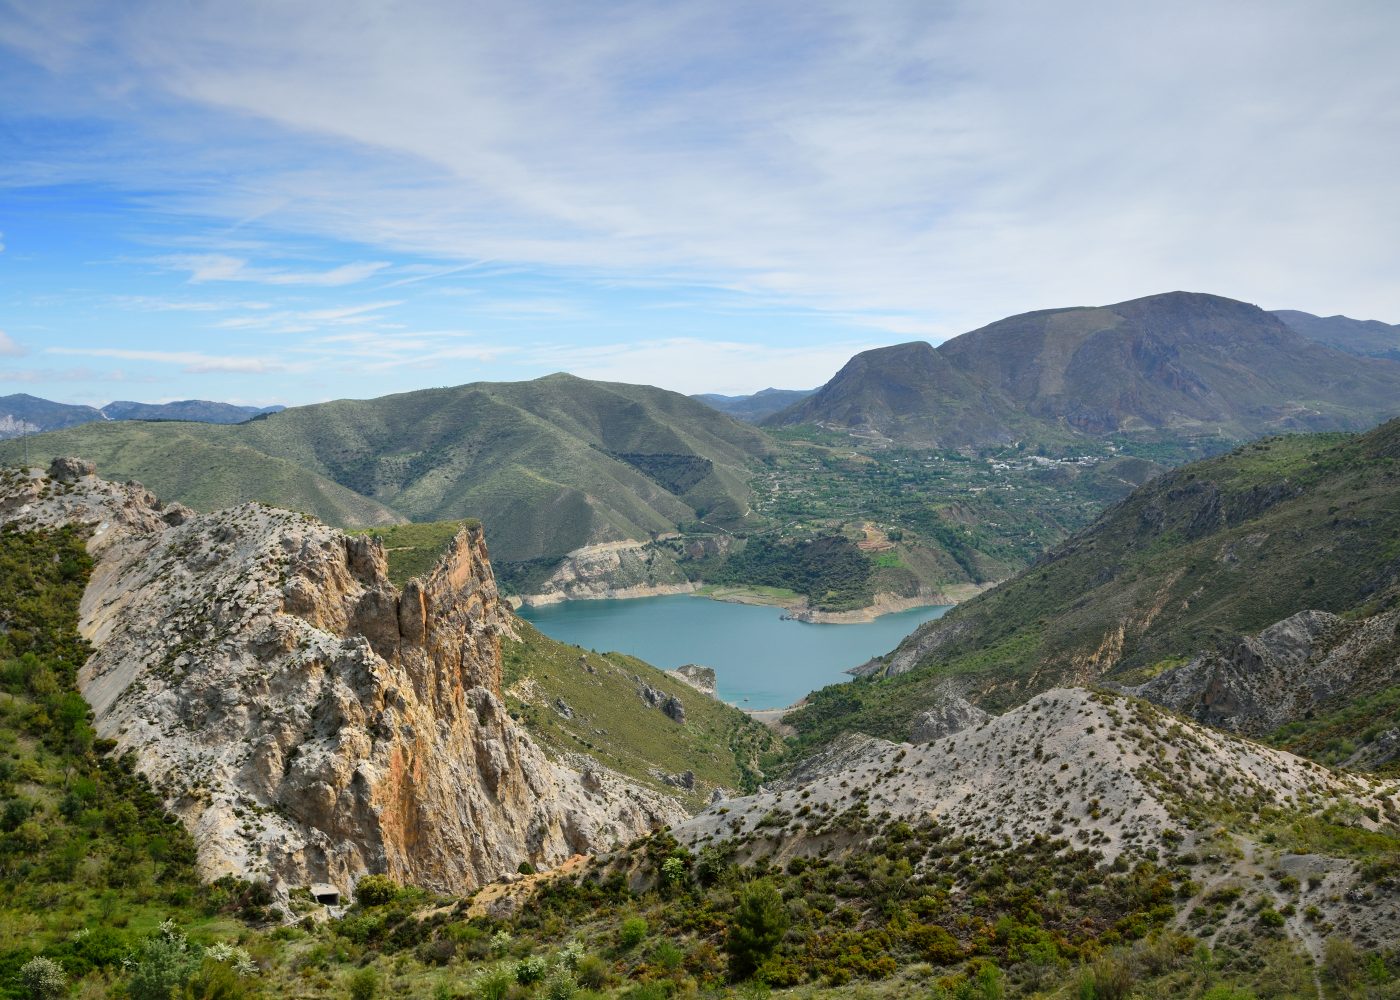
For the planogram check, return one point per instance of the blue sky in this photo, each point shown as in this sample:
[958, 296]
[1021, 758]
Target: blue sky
[272, 202]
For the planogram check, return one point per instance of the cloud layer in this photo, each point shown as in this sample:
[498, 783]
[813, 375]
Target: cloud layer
[911, 168]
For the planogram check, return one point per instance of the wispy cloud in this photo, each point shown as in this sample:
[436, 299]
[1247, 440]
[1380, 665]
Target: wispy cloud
[936, 164]
[9, 348]
[40, 376]
[190, 362]
[308, 320]
[219, 267]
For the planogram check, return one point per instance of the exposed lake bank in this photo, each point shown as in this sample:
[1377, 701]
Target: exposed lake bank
[761, 660]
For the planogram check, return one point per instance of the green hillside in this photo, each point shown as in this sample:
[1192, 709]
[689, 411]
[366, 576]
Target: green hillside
[204, 466]
[549, 465]
[1194, 559]
[575, 701]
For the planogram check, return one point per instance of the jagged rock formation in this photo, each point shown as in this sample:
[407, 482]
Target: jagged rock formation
[700, 678]
[670, 706]
[612, 570]
[306, 719]
[1097, 771]
[1124, 783]
[1287, 673]
[951, 714]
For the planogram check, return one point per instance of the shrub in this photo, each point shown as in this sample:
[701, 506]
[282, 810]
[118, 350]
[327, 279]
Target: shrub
[561, 986]
[530, 970]
[43, 978]
[758, 925]
[592, 972]
[364, 983]
[1342, 961]
[492, 984]
[214, 980]
[376, 890]
[162, 966]
[632, 932]
[1107, 979]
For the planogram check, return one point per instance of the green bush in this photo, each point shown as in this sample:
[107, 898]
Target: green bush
[592, 972]
[162, 966]
[632, 932]
[530, 970]
[364, 984]
[376, 890]
[561, 986]
[756, 927]
[215, 980]
[492, 984]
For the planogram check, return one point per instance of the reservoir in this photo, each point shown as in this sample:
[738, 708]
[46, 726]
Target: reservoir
[760, 661]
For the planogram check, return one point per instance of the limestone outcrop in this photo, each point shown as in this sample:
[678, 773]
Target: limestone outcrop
[307, 720]
[1290, 671]
[951, 713]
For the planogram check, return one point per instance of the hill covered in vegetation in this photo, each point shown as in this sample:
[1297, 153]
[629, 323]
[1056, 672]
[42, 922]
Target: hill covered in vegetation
[1189, 562]
[1174, 366]
[553, 464]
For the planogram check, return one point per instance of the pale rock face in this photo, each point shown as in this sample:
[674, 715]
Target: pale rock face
[612, 570]
[307, 720]
[952, 714]
[1262, 682]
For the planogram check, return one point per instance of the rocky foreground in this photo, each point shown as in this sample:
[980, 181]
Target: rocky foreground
[1105, 773]
[306, 719]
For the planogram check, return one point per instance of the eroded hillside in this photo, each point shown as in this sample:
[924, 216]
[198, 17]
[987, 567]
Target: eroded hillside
[305, 718]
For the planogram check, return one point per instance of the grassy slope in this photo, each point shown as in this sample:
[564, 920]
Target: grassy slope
[610, 722]
[550, 465]
[203, 466]
[89, 862]
[413, 549]
[1203, 554]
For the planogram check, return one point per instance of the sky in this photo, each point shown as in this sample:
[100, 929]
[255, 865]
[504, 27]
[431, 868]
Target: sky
[265, 202]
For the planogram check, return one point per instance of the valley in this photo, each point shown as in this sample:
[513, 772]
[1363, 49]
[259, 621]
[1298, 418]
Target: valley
[1151, 751]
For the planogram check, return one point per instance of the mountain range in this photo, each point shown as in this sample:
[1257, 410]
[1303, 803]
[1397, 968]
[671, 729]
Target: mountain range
[555, 463]
[560, 463]
[1179, 364]
[754, 407]
[22, 413]
[1369, 338]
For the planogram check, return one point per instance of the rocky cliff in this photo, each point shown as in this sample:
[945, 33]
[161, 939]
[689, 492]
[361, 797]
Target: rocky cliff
[622, 569]
[1291, 672]
[306, 719]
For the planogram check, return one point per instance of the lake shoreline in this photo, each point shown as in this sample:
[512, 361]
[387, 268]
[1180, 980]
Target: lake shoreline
[795, 605]
[761, 662]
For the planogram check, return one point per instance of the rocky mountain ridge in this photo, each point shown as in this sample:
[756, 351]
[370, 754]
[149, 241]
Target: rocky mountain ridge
[1093, 771]
[1191, 562]
[1182, 364]
[1289, 672]
[22, 413]
[306, 719]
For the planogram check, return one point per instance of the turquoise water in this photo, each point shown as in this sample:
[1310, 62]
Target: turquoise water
[760, 660]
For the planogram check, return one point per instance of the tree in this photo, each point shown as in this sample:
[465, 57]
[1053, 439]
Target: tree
[758, 925]
[43, 978]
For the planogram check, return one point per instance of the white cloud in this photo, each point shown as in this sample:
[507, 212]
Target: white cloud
[221, 267]
[692, 365]
[933, 165]
[190, 362]
[9, 348]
